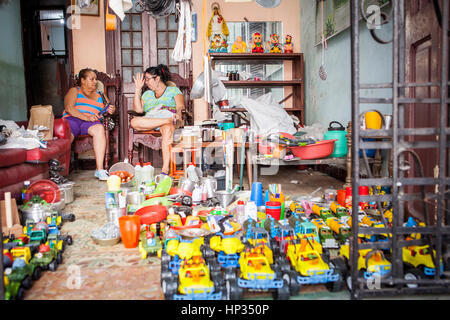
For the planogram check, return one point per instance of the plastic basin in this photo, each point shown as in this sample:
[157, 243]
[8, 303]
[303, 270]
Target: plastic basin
[319, 150]
[152, 214]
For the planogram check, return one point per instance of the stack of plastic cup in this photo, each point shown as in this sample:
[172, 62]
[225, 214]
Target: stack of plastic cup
[273, 209]
[257, 194]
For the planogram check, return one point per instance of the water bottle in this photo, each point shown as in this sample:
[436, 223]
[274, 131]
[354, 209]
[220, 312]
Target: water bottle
[138, 174]
[240, 211]
[26, 195]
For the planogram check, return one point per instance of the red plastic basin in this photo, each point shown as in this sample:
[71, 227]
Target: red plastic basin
[319, 150]
[152, 214]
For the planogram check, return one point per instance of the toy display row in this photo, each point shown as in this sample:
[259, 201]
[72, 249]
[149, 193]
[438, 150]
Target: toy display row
[211, 256]
[218, 44]
[40, 247]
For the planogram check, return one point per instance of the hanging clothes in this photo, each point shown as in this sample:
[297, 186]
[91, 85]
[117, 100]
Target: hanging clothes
[120, 7]
[183, 46]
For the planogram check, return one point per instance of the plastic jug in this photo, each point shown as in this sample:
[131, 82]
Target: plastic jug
[251, 211]
[337, 132]
[138, 174]
[192, 173]
[148, 172]
[240, 211]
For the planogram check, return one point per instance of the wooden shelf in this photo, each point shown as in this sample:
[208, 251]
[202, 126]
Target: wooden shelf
[297, 83]
[262, 83]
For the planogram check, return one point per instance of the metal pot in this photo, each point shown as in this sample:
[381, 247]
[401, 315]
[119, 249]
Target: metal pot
[67, 189]
[36, 212]
[135, 198]
[113, 214]
[211, 186]
[186, 184]
[225, 198]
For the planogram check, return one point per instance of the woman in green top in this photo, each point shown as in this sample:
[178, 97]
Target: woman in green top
[162, 104]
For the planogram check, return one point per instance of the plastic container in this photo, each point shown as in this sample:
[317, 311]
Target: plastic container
[369, 152]
[257, 194]
[273, 209]
[148, 172]
[278, 198]
[251, 210]
[240, 211]
[130, 227]
[337, 132]
[138, 174]
[192, 173]
[319, 150]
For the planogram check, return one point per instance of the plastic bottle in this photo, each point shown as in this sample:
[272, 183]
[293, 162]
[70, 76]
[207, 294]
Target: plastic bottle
[240, 211]
[192, 173]
[151, 172]
[26, 194]
[251, 211]
[147, 172]
[138, 174]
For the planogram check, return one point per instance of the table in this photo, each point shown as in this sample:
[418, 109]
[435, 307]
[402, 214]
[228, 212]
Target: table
[187, 147]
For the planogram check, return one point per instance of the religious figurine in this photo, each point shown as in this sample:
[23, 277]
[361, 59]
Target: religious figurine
[275, 46]
[257, 43]
[239, 46]
[288, 46]
[217, 31]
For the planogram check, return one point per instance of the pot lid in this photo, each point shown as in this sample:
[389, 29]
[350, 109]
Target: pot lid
[269, 3]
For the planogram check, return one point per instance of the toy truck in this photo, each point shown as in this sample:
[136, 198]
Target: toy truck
[193, 282]
[54, 219]
[47, 258]
[341, 230]
[309, 268]
[371, 263]
[227, 248]
[339, 211]
[149, 243]
[325, 234]
[256, 273]
[322, 212]
[419, 263]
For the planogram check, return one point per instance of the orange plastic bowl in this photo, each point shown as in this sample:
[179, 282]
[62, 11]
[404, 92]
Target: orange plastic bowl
[319, 150]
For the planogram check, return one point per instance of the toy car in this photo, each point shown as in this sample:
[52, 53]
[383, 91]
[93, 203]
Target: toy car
[228, 248]
[256, 273]
[419, 263]
[47, 258]
[325, 234]
[371, 263]
[193, 282]
[149, 243]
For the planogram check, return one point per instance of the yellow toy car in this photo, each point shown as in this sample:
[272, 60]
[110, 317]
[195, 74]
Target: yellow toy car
[419, 263]
[371, 263]
[193, 282]
[228, 249]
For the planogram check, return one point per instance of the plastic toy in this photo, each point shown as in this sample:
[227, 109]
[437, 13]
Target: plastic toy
[340, 211]
[256, 272]
[322, 212]
[341, 230]
[288, 46]
[239, 46]
[371, 263]
[310, 268]
[194, 282]
[419, 263]
[47, 258]
[325, 234]
[257, 46]
[149, 242]
[275, 46]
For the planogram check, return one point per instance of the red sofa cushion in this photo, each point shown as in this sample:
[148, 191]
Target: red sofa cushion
[21, 172]
[54, 149]
[10, 157]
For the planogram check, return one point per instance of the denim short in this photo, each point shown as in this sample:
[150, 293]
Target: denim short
[80, 127]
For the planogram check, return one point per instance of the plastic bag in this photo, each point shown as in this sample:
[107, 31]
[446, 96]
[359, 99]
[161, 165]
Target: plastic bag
[267, 116]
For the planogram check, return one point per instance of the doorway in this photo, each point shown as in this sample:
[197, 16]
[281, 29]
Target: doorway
[46, 52]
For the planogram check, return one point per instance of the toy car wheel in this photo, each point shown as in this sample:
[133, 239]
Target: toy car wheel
[186, 201]
[291, 278]
[413, 274]
[37, 273]
[169, 286]
[20, 293]
[71, 217]
[233, 291]
[167, 275]
[69, 240]
[59, 258]
[165, 257]
[53, 266]
[214, 266]
[283, 292]
[27, 283]
[229, 274]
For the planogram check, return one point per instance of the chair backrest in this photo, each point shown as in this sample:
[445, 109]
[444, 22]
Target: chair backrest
[185, 85]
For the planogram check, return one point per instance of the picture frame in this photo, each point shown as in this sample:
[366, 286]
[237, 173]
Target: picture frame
[88, 7]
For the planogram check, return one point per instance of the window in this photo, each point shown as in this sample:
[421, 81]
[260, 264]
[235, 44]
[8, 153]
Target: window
[131, 44]
[166, 33]
[52, 33]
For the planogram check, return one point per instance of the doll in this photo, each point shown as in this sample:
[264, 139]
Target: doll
[288, 47]
[275, 46]
[239, 46]
[257, 43]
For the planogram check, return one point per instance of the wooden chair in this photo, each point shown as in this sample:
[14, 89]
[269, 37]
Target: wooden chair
[152, 138]
[111, 87]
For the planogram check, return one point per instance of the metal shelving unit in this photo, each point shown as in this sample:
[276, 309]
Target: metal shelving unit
[436, 235]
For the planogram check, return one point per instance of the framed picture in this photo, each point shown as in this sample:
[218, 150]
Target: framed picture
[87, 7]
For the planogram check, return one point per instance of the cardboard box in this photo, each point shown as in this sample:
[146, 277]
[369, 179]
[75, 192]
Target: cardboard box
[42, 116]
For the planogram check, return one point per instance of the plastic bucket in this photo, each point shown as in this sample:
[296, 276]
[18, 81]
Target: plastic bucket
[341, 197]
[369, 152]
[273, 209]
[130, 227]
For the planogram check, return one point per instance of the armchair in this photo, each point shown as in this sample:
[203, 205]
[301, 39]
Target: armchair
[111, 87]
[152, 138]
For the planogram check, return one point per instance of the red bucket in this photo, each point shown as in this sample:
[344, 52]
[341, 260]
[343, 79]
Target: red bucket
[273, 209]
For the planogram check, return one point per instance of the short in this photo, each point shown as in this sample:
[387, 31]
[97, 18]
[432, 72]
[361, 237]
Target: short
[80, 127]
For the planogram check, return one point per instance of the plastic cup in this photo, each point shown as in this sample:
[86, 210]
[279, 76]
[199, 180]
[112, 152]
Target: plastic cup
[348, 197]
[130, 227]
[373, 120]
[341, 197]
[257, 194]
[363, 191]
